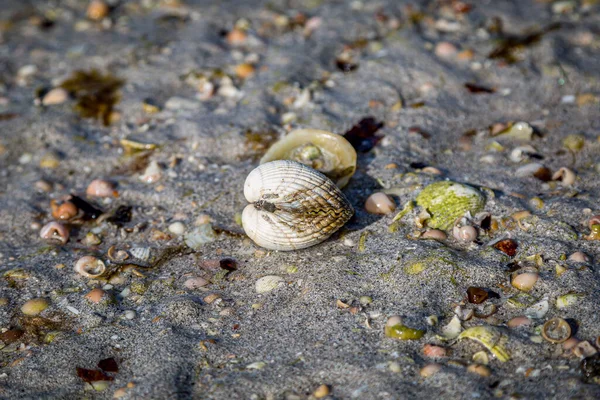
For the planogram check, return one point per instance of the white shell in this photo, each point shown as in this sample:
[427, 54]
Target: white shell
[90, 267]
[293, 206]
[141, 253]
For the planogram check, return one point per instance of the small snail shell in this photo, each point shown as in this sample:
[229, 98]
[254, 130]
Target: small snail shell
[90, 267]
[293, 206]
[327, 152]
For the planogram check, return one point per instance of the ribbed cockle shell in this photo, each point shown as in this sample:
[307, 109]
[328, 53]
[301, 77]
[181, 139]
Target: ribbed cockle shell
[292, 206]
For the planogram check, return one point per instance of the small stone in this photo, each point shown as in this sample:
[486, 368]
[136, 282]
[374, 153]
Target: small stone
[445, 50]
[244, 71]
[268, 283]
[195, 283]
[177, 228]
[321, 391]
[129, 314]
[97, 10]
[100, 188]
[211, 298]
[35, 306]
[507, 246]
[430, 370]
[55, 96]
[524, 281]
[236, 37]
[481, 370]
[518, 322]
[95, 295]
[365, 300]
[380, 203]
[152, 173]
[433, 351]
[434, 234]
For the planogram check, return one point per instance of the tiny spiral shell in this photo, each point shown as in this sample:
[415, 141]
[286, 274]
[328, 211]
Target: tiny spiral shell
[292, 206]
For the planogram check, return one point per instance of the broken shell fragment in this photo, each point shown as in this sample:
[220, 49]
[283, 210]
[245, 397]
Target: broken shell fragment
[90, 267]
[292, 206]
[524, 281]
[448, 201]
[556, 330]
[492, 338]
[430, 370]
[465, 234]
[100, 188]
[327, 152]
[380, 203]
[565, 175]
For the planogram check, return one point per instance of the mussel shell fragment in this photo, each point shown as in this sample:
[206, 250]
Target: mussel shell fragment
[292, 206]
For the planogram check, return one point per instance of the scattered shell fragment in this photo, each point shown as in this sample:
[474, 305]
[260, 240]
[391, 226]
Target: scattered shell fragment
[448, 201]
[100, 188]
[90, 267]
[292, 206]
[195, 283]
[584, 349]
[268, 283]
[152, 173]
[55, 231]
[534, 169]
[380, 203]
[453, 328]
[477, 295]
[430, 370]
[327, 152]
[556, 330]
[199, 236]
[177, 228]
[95, 295]
[574, 142]
[481, 357]
[35, 306]
[567, 300]
[565, 175]
[539, 309]
[492, 338]
[519, 131]
[507, 246]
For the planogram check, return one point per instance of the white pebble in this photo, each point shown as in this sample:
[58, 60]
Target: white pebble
[129, 314]
[177, 228]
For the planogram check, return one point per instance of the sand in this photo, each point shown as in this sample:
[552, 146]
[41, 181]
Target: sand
[284, 344]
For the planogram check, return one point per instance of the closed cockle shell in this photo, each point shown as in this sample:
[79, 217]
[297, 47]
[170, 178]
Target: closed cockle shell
[292, 206]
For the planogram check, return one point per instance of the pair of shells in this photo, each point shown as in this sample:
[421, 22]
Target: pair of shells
[293, 206]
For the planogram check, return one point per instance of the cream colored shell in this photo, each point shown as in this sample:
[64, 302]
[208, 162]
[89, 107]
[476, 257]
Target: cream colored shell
[292, 206]
[327, 152]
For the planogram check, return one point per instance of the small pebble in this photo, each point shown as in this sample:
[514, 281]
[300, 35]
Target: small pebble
[211, 298]
[55, 96]
[481, 370]
[445, 50]
[97, 10]
[518, 322]
[177, 228]
[244, 70]
[579, 257]
[35, 306]
[321, 391]
[100, 188]
[430, 370]
[433, 351]
[95, 295]
[524, 281]
[129, 314]
[434, 234]
[380, 203]
[465, 234]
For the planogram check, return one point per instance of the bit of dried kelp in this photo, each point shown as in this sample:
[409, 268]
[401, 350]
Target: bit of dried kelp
[89, 211]
[362, 135]
[511, 46]
[93, 375]
[108, 365]
[7, 116]
[121, 216]
[477, 89]
[96, 94]
[11, 335]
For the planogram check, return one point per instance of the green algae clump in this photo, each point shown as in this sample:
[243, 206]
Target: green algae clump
[448, 201]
